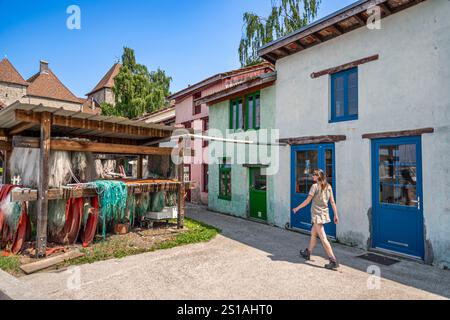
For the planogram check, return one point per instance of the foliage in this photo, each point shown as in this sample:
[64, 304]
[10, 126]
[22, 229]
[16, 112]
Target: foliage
[137, 91]
[285, 17]
[10, 264]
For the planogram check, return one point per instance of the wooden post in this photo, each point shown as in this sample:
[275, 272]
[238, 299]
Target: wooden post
[181, 187]
[41, 228]
[6, 177]
[6, 167]
[140, 167]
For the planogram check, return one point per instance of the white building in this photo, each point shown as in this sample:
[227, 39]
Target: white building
[371, 108]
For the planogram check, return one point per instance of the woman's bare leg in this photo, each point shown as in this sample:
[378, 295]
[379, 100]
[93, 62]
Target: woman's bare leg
[313, 241]
[323, 238]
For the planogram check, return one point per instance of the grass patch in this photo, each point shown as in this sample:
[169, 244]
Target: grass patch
[122, 246]
[10, 264]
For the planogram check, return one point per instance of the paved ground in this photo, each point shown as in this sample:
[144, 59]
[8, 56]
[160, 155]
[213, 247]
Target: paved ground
[247, 261]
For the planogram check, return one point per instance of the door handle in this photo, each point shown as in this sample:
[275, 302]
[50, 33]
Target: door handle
[418, 203]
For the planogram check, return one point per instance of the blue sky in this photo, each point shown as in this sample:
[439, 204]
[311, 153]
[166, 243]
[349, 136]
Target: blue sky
[190, 40]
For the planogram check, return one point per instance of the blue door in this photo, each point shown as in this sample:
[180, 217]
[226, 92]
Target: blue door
[397, 196]
[304, 160]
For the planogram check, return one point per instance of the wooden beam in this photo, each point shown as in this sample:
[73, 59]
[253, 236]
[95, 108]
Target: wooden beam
[93, 125]
[46, 263]
[182, 189]
[385, 9]
[335, 30]
[42, 214]
[5, 145]
[29, 195]
[316, 38]
[94, 147]
[398, 134]
[6, 177]
[313, 139]
[361, 22]
[344, 66]
[21, 127]
[140, 167]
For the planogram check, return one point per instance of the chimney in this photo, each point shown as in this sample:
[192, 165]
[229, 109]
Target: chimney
[43, 67]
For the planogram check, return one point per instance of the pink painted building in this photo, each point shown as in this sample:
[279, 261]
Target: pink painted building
[193, 115]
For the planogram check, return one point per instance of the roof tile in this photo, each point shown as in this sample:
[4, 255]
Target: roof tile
[9, 74]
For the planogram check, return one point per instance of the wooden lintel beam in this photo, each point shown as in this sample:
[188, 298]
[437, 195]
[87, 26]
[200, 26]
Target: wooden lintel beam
[86, 124]
[398, 134]
[344, 66]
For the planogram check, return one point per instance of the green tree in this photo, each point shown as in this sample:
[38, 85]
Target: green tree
[285, 17]
[137, 91]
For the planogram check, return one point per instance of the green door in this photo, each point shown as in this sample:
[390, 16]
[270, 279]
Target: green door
[258, 194]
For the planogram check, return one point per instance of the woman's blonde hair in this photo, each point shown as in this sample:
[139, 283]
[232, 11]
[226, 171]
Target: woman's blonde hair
[322, 179]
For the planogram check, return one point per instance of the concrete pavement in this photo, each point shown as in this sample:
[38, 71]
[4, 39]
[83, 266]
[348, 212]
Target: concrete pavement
[247, 261]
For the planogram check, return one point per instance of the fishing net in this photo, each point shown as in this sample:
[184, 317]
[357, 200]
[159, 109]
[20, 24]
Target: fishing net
[60, 168]
[158, 202]
[84, 166]
[113, 201]
[15, 227]
[171, 199]
[24, 163]
[56, 218]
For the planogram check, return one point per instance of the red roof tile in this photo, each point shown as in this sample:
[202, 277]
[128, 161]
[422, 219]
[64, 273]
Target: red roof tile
[108, 80]
[47, 85]
[9, 74]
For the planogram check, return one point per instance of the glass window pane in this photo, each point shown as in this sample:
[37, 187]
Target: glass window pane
[398, 175]
[233, 122]
[250, 113]
[241, 115]
[257, 112]
[353, 93]
[306, 164]
[259, 180]
[339, 96]
[329, 166]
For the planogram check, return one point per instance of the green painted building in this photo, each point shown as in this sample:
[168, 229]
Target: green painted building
[241, 188]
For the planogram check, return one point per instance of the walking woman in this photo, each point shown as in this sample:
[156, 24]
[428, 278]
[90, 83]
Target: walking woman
[320, 194]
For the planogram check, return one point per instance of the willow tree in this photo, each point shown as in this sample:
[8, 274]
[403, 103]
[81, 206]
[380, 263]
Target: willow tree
[285, 17]
[137, 91]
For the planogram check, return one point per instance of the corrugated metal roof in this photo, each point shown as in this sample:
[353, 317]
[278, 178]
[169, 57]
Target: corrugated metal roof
[7, 121]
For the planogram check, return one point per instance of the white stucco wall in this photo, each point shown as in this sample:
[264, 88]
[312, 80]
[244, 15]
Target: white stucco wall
[407, 88]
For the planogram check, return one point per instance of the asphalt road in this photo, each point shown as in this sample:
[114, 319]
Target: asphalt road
[247, 261]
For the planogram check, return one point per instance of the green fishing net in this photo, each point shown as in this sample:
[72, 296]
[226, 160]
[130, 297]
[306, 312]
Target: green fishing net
[113, 201]
[158, 202]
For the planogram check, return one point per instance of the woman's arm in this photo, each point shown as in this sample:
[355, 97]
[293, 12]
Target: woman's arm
[303, 205]
[333, 205]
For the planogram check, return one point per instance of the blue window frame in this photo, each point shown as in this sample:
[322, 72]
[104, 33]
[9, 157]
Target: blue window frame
[344, 95]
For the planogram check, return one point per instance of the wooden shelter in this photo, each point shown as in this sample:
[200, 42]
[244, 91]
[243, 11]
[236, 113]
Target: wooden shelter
[36, 126]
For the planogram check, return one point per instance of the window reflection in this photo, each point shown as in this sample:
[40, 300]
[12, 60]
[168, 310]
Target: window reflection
[398, 174]
[306, 164]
